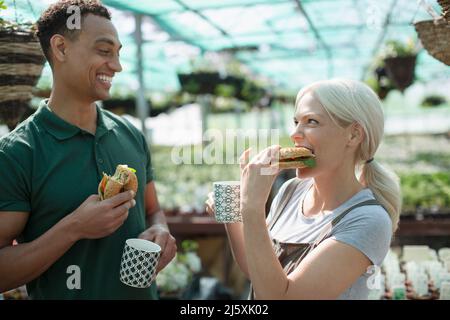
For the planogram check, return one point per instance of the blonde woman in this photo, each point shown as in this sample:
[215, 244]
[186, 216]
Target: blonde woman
[329, 227]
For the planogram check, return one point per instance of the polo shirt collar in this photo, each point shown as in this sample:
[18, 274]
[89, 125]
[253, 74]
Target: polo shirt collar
[63, 130]
[104, 123]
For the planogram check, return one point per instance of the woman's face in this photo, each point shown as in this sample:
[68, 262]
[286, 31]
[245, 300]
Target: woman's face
[315, 130]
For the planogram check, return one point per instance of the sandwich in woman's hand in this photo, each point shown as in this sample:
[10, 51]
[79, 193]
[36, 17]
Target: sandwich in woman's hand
[124, 179]
[296, 157]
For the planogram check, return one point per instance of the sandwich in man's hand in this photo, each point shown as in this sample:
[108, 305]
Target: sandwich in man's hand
[124, 179]
[296, 157]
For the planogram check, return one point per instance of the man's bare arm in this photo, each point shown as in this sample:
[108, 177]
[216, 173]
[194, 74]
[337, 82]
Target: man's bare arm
[25, 262]
[22, 263]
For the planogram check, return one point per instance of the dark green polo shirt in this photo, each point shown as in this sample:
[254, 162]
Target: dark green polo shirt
[48, 167]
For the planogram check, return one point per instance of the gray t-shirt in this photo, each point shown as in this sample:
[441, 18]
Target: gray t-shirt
[367, 228]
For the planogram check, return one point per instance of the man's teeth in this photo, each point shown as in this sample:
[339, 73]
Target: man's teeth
[105, 78]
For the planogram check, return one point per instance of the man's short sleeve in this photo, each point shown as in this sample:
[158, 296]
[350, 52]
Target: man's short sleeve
[368, 229]
[14, 184]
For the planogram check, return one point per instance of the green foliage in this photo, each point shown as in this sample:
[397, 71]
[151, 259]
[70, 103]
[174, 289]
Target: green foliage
[433, 101]
[189, 245]
[186, 186]
[379, 80]
[192, 87]
[439, 160]
[14, 26]
[394, 48]
[229, 86]
[225, 90]
[2, 7]
[373, 83]
[179, 273]
[251, 92]
[431, 191]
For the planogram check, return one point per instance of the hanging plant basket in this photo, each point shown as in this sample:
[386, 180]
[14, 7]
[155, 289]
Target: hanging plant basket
[213, 83]
[200, 82]
[435, 34]
[21, 64]
[435, 38]
[208, 82]
[401, 71]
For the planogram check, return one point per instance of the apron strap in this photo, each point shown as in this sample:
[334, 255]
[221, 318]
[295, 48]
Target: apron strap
[285, 197]
[326, 232]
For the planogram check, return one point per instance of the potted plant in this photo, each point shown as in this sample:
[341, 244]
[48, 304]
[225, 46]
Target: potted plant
[209, 82]
[379, 80]
[179, 279]
[21, 64]
[426, 193]
[380, 83]
[400, 62]
[228, 86]
[433, 100]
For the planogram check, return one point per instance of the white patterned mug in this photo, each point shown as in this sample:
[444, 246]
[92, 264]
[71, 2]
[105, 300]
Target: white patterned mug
[227, 201]
[139, 260]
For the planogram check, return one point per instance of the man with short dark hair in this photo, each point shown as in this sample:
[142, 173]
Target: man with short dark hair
[70, 242]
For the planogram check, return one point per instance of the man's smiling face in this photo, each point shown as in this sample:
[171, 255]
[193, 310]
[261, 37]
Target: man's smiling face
[92, 59]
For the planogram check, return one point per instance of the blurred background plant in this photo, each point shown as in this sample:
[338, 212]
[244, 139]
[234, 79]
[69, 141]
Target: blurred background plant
[184, 188]
[424, 169]
[396, 48]
[16, 25]
[177, 276]
[433, 100]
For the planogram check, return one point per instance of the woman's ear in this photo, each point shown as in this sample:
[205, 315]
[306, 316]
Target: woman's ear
[356, 134]
[58, 47]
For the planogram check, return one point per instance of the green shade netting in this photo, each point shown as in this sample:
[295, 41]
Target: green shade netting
[273, 38]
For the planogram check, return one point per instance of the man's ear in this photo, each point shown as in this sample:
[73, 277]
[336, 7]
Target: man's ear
[58, 45]
[356, 134]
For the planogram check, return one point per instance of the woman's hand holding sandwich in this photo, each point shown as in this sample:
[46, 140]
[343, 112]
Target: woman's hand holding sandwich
[258, 174]
[257, 178]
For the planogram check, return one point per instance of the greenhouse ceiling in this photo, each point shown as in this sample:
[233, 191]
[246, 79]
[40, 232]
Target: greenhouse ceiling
[287, 43]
